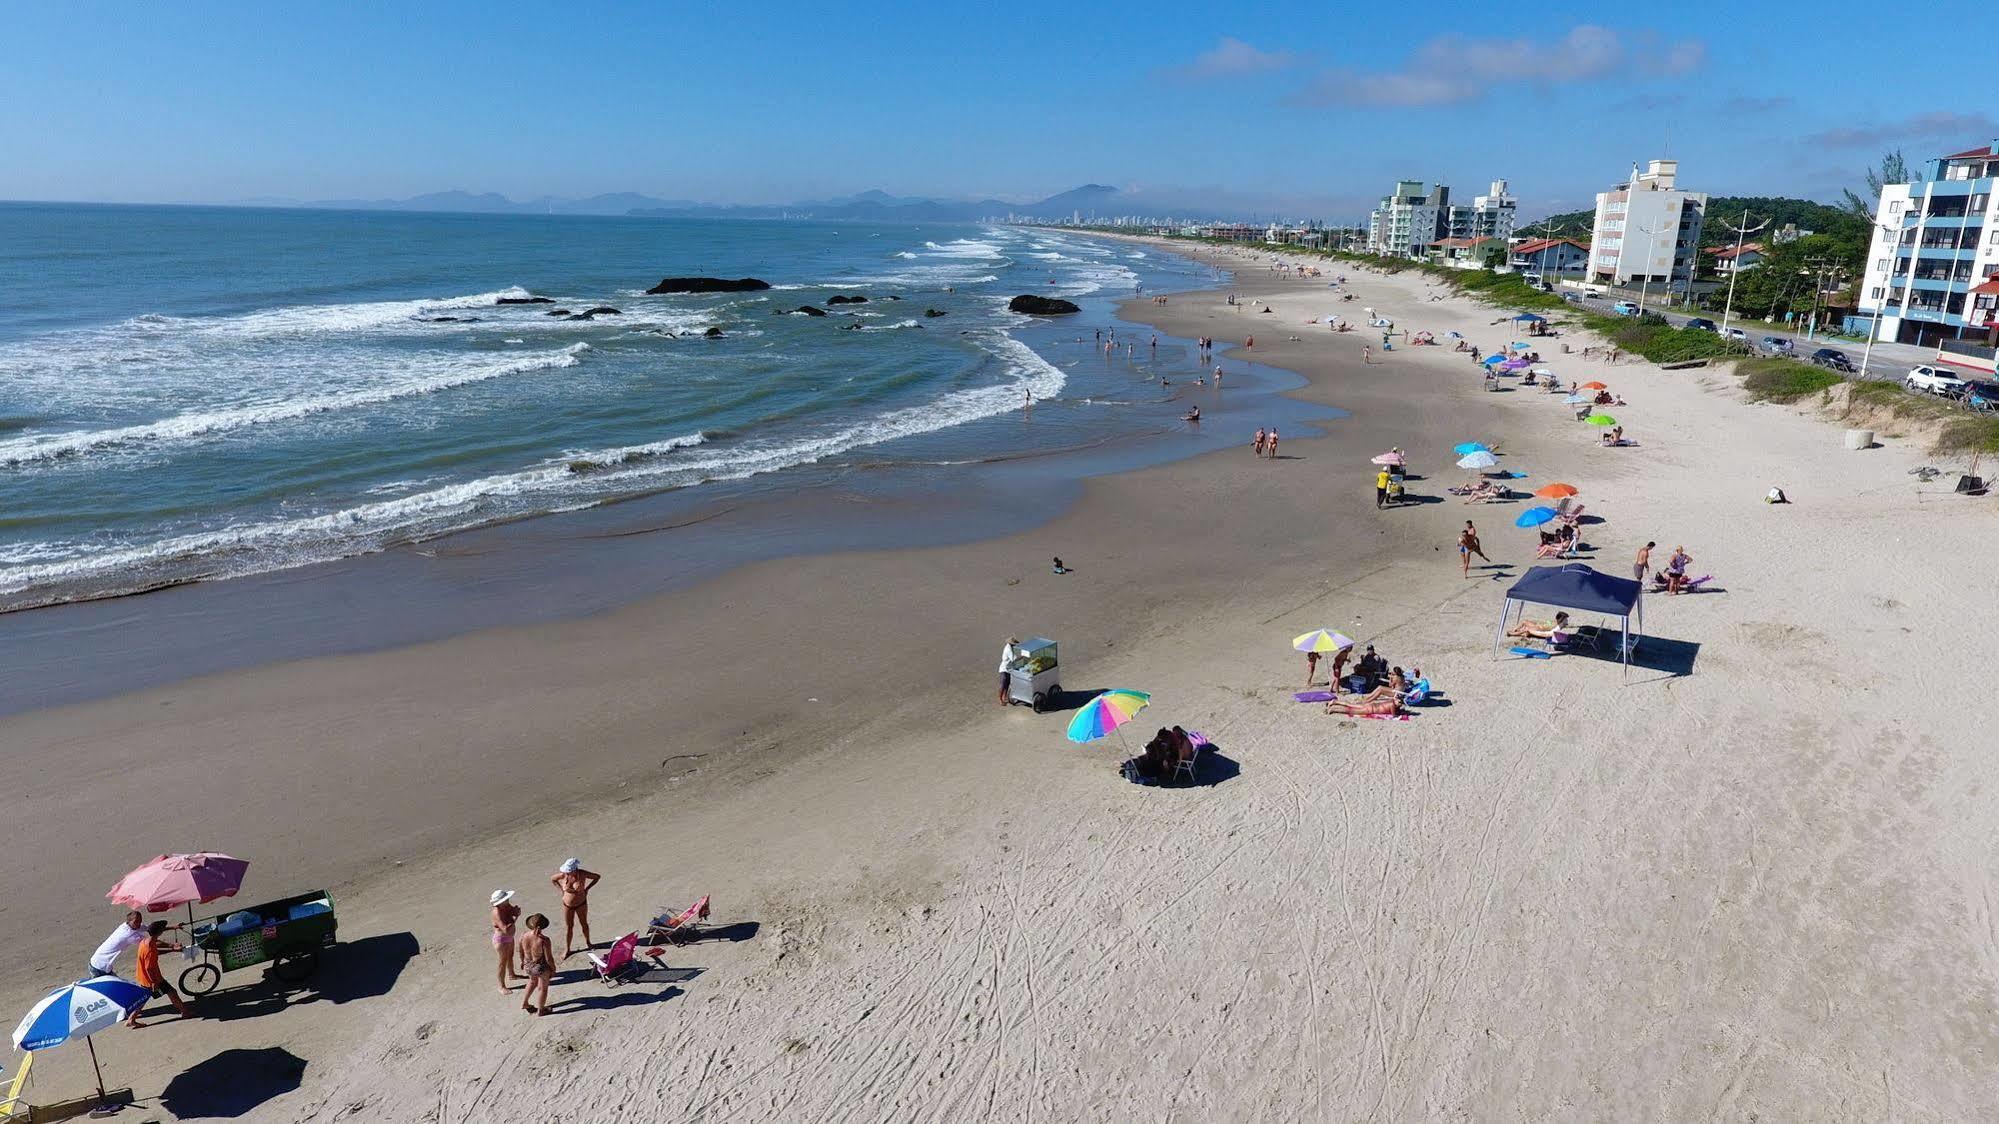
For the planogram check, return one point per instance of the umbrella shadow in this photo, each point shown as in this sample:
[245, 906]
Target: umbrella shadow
[232, 1083]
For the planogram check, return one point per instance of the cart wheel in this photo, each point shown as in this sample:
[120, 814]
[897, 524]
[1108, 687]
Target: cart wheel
[296, 963]
[1040, 702]
[1054, 694]
[200, 979]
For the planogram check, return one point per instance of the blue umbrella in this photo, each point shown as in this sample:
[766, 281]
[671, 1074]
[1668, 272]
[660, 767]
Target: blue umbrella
[1534, 517]
[80, 1010]
[1491, 359]
[1469, 448]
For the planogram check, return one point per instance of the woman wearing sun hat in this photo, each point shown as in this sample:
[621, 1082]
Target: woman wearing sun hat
[505, 915]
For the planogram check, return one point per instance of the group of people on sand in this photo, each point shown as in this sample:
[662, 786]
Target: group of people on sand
[149, 939]
[1265, 443]
[1377, 688]
[530, 956]
[1673, 577]
[1168, 750]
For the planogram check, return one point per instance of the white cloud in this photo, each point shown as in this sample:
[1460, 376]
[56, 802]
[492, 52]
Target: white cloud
[1972, 129]
[1454, 68]
[1231, 58]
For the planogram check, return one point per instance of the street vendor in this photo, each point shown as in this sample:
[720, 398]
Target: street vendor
[1010, 654]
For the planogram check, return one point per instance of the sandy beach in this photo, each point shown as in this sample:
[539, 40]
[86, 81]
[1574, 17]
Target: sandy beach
[1750, 879]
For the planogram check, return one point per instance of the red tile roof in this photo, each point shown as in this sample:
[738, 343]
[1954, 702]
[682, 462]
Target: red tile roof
[1970, 153]
[1991, 286]
[1539, 244]
[1731, 251]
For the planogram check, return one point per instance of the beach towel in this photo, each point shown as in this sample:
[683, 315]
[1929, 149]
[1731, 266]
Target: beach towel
[1533, 653]
[1313, 696]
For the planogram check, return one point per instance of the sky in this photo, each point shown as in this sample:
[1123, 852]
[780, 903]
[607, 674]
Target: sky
[1299, 110]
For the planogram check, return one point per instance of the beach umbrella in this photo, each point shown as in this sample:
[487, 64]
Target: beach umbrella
[1321, 640]
[1535, 516]
[80, 1010]
[1387, 458]
[1595, 386]
[175, 880]
[1470, 447]
[1492, 359]
[1106, 713]
[1555, 491]
[1601, 419]
[1477, 462]
[1454, 334]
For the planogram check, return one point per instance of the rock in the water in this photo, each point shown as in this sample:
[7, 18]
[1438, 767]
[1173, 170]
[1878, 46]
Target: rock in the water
[525, 300]
[844, 299]
[852, 327]
[935, 312]
[558, 312]
[708, 285]
[712, 333]
[602, 310]
[811, 311]
[891, 297]
[1040, 306]
[449, 319]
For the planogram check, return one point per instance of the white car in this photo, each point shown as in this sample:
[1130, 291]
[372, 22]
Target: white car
[1736, 334]
[1932, 380]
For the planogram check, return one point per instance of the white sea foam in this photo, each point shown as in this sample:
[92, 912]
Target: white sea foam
[205, 423]
[965, 248]
[902, 254]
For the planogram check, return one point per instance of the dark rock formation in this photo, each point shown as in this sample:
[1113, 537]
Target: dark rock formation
[449, 319]
[933, 312]
[844, 299]
[811, 311]
[708, 285]
[558, 312]
[891, 297]
[1040, 306]
[525, 300]
[602, 310]
[712, 333]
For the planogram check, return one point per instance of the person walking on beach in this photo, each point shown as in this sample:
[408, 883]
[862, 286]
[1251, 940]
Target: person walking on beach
[537, 963]
[505, 915]
[574, 883]
[1381, 489]
[1468, 545]
[1010, 654]
[148, 972]
[1257, 445]
[1250, 344]
[129, 932]
[1027, 404]
[1270, 444]
[1218, 376]
[1311, 668]
[1366, 354]
[1642, 565]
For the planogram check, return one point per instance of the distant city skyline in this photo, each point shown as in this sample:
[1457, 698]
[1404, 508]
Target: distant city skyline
[1281, 113]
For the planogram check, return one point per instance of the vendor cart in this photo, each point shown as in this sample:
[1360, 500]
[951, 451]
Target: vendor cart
[1032, 678]
[287, 934]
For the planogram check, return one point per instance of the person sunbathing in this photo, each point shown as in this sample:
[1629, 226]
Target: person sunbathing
[1537, 630]
[1378, 703]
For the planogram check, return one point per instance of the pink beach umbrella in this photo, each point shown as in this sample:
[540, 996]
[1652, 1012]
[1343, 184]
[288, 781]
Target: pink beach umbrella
[1388, 458]
[175, 880]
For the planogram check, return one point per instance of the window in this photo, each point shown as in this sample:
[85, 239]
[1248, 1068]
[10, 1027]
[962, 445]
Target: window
[1894, 206]
[1881, 264]
[1874, 293]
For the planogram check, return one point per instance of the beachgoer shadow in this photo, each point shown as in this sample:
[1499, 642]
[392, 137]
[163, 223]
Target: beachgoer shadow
[611, 1001]
[1412, 499]
[1211, 768]
[1065, 699]
[1285, 457]
[232, 1083]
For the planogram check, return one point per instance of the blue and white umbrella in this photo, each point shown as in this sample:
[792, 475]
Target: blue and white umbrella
[79, 1010]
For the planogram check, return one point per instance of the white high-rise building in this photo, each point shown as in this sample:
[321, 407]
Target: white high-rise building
[1647, 230]
[1408, 221]
[1933, 273]
[1489, 215]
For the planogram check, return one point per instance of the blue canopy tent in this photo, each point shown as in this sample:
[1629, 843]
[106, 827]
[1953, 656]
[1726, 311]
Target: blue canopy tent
[1529, 318]
[1583, 590]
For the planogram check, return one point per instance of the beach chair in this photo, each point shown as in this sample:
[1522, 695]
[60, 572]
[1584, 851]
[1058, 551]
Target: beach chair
[677, 928]
[15, 1105]
[1417, 694]
[619, 963]
[1572, 515]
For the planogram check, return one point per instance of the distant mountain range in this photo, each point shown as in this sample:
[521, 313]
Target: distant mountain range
[868, 206]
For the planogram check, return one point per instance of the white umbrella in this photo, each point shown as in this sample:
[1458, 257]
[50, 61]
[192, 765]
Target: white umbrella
[1477, 462]
[79, 1010]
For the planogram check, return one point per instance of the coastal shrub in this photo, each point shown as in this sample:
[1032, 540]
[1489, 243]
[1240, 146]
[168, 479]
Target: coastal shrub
[1783, 380]
[1974, 433]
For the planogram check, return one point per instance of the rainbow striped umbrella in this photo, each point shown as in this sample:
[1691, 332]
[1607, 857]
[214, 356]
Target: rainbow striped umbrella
[1106, 713]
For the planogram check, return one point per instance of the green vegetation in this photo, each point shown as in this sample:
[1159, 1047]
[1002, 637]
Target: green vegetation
[1783, 380]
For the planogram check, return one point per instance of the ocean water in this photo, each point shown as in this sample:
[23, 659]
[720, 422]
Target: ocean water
[190, 393]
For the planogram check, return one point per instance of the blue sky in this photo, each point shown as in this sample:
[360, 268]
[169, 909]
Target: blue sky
[1298, 108]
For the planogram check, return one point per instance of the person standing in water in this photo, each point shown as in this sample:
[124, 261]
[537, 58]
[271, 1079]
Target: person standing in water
[574, 883]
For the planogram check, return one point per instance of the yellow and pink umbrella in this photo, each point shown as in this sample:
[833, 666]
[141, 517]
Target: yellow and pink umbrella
[1105, 713]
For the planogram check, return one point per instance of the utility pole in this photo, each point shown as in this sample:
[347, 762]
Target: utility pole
[1874, 325]
[1742, 230]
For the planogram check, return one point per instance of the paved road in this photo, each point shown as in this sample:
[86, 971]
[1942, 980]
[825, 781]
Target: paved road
[1888, 361]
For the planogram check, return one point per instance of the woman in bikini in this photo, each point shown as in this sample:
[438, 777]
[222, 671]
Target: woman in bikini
[1535, 630]
[537, 963]
[1468, 545]
[505, 915]
[1385, 700]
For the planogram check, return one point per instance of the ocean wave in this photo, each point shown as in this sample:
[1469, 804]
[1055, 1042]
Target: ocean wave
[314, 319]
[207, 423]
[902, 254]
[965, 248]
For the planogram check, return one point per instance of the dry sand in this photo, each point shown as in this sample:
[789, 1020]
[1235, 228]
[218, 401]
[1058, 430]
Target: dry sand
[1761, 890]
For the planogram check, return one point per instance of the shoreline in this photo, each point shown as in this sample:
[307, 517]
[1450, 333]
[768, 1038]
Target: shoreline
[1565, 892]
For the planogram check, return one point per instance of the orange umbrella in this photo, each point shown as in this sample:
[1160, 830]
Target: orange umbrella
[1595, 386]
[1556, 491]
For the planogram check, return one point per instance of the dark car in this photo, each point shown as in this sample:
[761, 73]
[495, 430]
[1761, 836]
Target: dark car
[1981, 394]
[1836, 360]
[1701, 322]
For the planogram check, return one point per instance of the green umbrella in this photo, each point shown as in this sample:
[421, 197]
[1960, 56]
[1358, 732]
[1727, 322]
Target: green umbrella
[1601, 419]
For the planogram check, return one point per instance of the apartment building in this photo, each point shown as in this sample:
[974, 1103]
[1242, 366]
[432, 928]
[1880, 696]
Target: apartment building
[1647, 230]
[1489, 216]
[1407, 221]
[1933, 270]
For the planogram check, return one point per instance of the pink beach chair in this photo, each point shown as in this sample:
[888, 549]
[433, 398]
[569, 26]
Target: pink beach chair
[619, 962]
[679, 927]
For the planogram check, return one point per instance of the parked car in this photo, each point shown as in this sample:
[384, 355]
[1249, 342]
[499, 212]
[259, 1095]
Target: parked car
[1592, 291]
[1624, 308]
[1702, 323]
[1832, 359]
[1981, 395]
[1933, 380]
[1776, 345]
[1736, 334]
